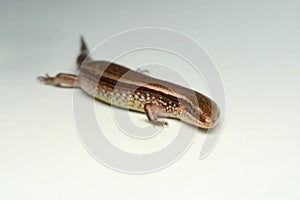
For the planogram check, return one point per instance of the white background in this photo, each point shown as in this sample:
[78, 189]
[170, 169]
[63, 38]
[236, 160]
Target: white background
[255, 45]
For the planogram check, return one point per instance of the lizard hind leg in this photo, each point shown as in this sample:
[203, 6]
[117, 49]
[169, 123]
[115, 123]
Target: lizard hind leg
[143, 71]
[60, 80]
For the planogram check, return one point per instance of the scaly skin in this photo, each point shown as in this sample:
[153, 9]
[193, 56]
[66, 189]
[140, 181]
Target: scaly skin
[119, 86]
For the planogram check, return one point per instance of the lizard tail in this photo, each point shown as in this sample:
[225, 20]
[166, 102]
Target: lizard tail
[84, 53]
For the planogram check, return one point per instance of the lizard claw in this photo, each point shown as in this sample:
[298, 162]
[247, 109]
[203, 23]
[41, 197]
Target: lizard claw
[46, 79]
[160, 123]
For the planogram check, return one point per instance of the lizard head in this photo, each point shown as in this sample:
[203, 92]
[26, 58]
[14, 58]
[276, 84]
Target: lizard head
[203, 113]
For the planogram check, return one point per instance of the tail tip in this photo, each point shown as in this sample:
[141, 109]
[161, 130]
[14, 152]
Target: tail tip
[83, 44]
[84, 52]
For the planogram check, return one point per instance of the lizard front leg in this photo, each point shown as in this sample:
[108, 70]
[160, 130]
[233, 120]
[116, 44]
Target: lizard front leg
[153, 112]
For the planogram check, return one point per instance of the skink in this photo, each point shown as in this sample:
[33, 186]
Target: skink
[119, 86]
